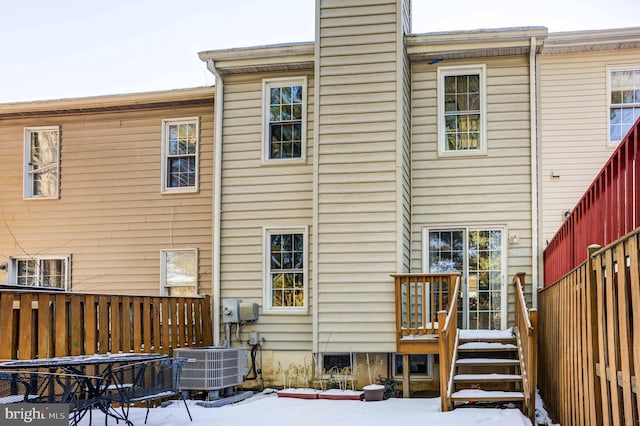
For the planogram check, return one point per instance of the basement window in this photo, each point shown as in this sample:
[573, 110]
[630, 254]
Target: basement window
[421, 366]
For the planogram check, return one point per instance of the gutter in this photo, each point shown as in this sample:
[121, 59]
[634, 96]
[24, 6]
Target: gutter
[217, 200]
[533, 90]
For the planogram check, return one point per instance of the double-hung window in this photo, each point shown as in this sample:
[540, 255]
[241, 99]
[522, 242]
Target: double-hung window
[624, 101]
[180, 150]
[461, 110]
[45, 271]
[41, 162]
[284, 119]
[285, 270]
[179, 272]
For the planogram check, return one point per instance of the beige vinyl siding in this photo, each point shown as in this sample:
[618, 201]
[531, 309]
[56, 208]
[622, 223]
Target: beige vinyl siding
[404, 79]
[357, 185]
[257, 195]
[574, 120]
[476, 190]
[111, 217]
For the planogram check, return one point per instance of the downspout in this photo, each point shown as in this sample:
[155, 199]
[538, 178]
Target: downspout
[315, 328]
[217, 200]
[534, 171]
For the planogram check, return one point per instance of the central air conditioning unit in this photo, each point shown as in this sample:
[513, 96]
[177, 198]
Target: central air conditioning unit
[212, 368]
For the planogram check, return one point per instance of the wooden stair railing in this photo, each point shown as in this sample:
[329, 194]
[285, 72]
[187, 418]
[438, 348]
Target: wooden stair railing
[447, 340]
[525, 330]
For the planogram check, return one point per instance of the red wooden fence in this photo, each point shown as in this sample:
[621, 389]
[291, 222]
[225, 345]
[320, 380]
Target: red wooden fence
[607, 210]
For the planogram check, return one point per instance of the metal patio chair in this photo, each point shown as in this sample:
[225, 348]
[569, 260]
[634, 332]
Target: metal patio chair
[147, 381]
[79, 391]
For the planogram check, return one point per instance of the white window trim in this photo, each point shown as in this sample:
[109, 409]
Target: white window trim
[462, 70]
[325, 374]
[27, 181]
[267, 83]
[428, 377]
[163, 183]
[610, 69]
[66, 258]
[465, 275]
[163, 269]
[266, 286]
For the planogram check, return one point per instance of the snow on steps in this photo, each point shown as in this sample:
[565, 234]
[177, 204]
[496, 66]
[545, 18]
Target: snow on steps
[486, 335]
[488, 377]
[487, 361]
[486, 347]
[468, 395]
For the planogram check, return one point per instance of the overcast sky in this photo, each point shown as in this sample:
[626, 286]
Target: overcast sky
[52, 49]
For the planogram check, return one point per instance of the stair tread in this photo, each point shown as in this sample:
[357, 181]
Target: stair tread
[485, 395]
[486, 346]
[487, 361]
[487, 335]
[488, 377]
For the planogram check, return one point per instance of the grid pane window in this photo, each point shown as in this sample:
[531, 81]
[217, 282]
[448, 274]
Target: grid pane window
[624, 102]
[50, 273]
[41, 158]
[181, 155]
[285, 120]
[286, 270]
[478, 255]
[462, 112]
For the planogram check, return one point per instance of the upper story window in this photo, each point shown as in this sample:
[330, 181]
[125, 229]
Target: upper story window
[180, 149]
[179, 272]
[285, 270]
[44, 271]
[461, 110]
[41, 162]
[624, 101]
[284, 119]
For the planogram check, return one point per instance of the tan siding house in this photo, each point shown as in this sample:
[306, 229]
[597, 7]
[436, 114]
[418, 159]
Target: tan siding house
[325, 168]
[359, 142]
[471, 198]
[106, 228]
[575, 91]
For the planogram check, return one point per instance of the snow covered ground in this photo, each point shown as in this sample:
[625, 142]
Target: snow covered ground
[267, 409]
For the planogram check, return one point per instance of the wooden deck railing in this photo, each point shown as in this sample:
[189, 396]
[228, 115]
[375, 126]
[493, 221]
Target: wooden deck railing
[607, 210]
[47, 324]
[419, 298]
[448, 337]
[589, 339]
[525, 329]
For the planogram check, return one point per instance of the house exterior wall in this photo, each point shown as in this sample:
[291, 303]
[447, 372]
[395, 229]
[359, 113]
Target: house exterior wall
[110, 217]
[574, 119]
[476, 190]
[359, 179]
[255, 195]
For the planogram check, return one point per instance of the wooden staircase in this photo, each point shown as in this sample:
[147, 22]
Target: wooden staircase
[487, 369]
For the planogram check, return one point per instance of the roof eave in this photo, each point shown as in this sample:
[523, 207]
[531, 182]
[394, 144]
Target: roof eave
[474, 43]
[592, 40]
[196, 95]
[270, 58]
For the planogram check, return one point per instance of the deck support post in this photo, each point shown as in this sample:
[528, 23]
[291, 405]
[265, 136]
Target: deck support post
[406, 383]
